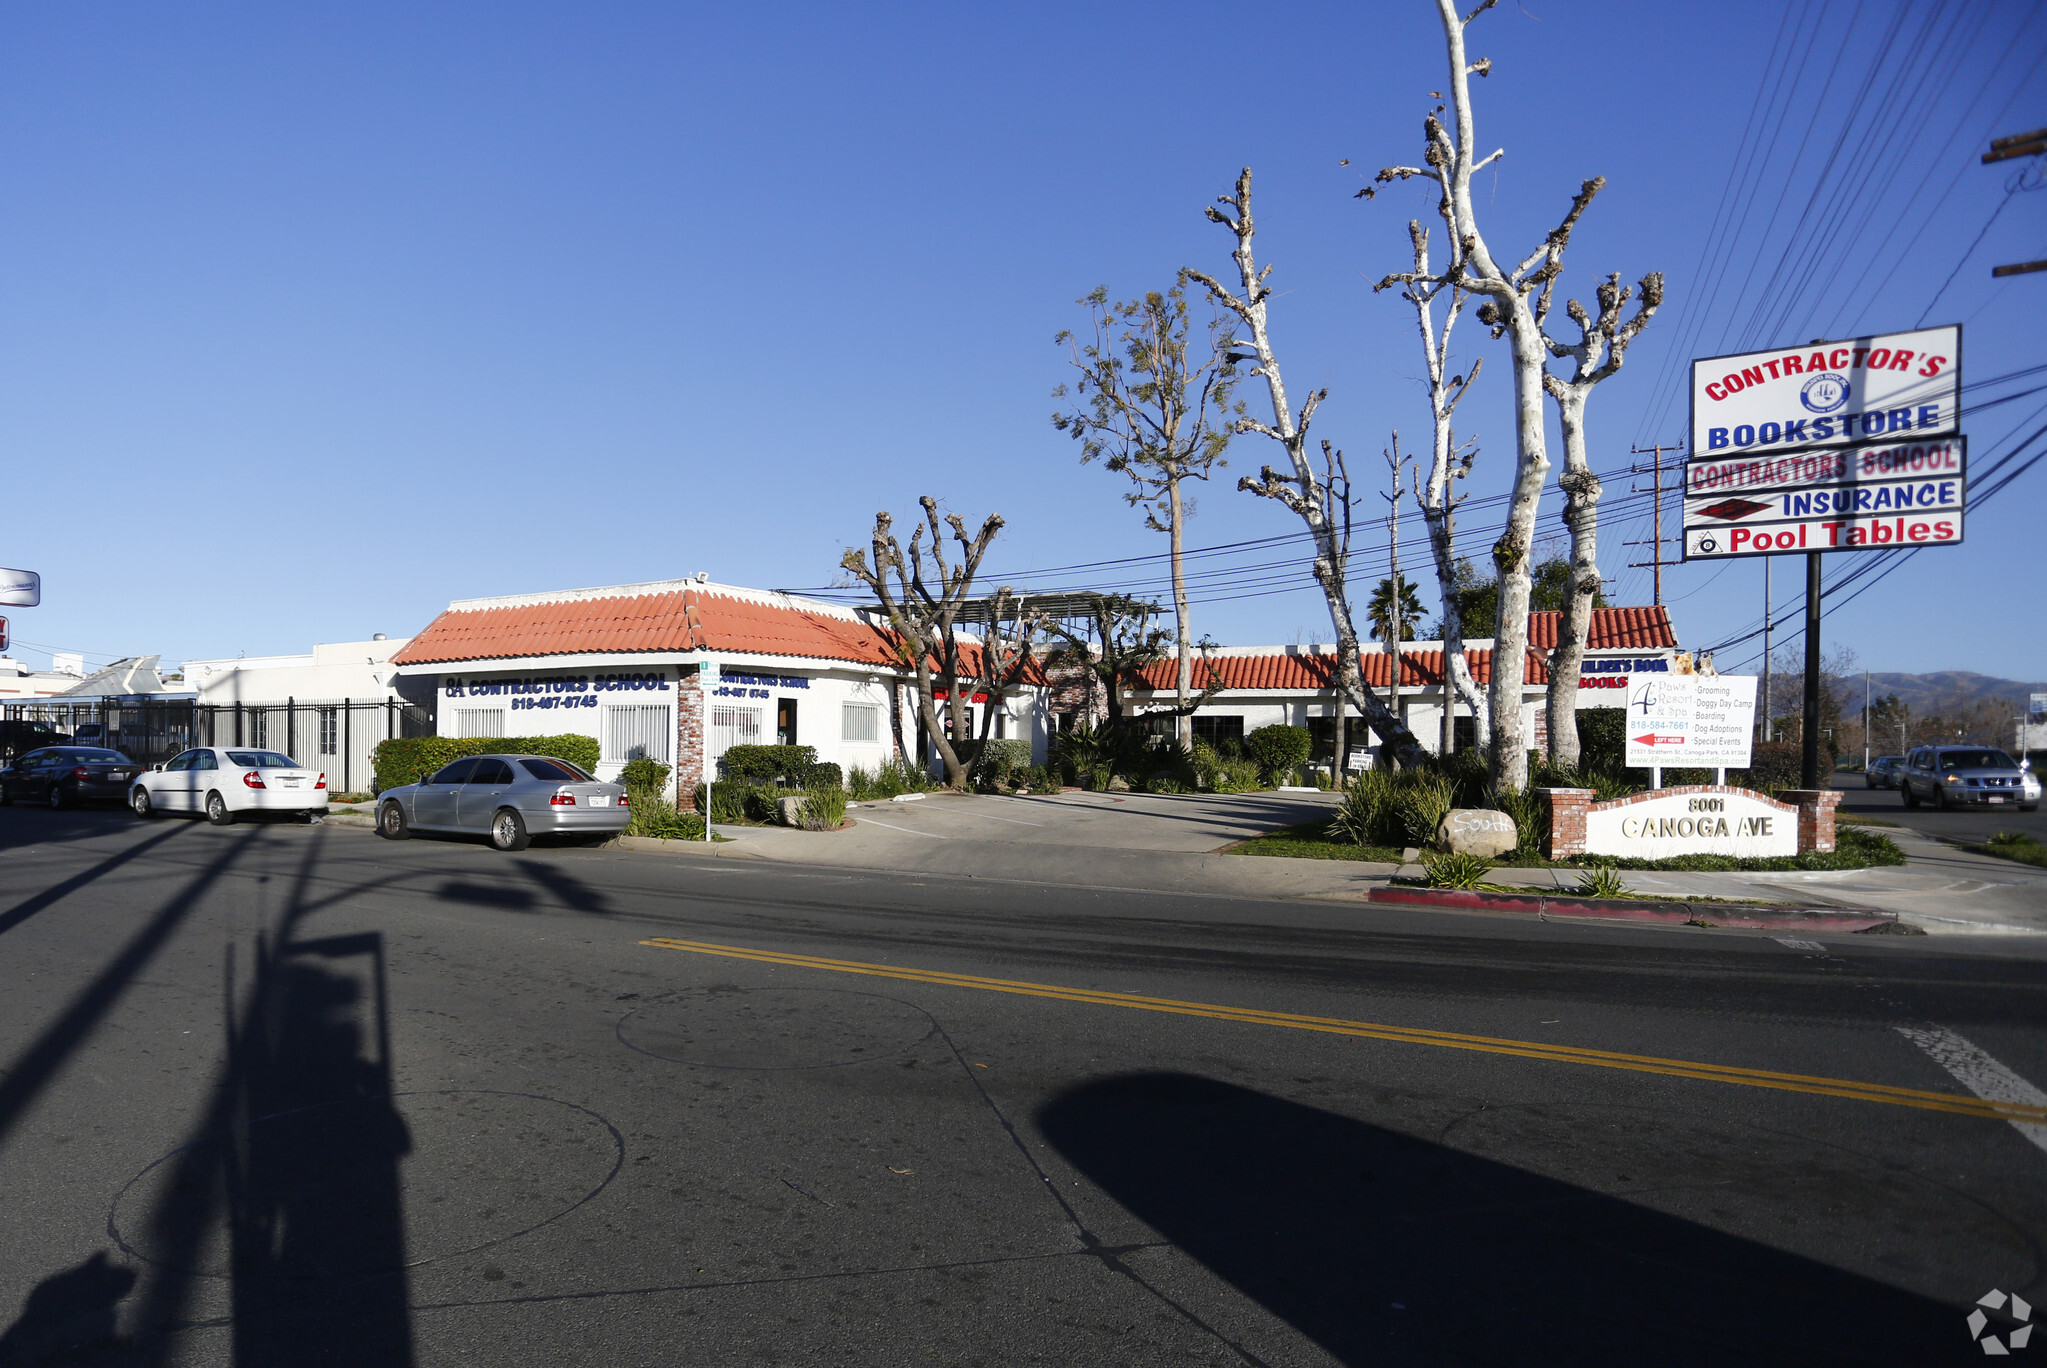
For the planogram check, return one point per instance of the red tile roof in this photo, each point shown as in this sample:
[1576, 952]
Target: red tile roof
[1419, 668]
[667, 618]
[1613, 629]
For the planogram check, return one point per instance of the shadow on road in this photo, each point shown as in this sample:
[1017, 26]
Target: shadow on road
[1385, 1249]
[290, 1188]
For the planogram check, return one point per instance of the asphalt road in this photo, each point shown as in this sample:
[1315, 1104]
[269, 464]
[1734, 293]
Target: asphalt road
[1973, 824]
[287, 1095]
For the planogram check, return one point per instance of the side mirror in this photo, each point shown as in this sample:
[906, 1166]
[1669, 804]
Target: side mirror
[424, 780]
[158, 767]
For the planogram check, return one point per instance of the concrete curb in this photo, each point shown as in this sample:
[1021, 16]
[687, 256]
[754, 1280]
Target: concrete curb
[1752, 918]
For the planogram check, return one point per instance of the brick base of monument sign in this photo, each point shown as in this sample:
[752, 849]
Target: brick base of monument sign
[1689, 819]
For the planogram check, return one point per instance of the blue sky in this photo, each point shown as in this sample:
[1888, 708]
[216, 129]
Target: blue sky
[313, 318]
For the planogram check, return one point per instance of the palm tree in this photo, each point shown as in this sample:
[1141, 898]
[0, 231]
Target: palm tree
[1380, 610]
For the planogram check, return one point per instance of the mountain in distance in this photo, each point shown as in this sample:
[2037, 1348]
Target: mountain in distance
[1939, 691]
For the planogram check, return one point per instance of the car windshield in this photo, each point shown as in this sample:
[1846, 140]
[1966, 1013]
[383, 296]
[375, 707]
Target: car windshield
[261, 760]
[548, 769]
[98, 757]
[1976, 759]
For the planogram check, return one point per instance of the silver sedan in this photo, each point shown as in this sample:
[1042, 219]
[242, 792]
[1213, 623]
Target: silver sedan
[511, 798]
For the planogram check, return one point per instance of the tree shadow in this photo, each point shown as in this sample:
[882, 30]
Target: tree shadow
[573, 893]
[1385, 1249]
[488, 895]
[67, 1312]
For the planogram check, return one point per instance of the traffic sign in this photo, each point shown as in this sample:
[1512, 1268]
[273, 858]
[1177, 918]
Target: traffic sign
[1691, 721]
[3, 634]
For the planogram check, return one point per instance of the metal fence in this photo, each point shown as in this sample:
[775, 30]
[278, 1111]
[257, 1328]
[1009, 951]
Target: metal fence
[336, 735]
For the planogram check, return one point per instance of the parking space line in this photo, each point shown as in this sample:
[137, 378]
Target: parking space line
[2016, 1110]
[1974, 1068]
[908, 831]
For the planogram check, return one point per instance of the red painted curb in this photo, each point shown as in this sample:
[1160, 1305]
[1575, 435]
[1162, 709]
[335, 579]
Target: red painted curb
[1752, 918]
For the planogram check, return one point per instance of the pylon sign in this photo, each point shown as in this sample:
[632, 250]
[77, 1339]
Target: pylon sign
[1893, 385]
[20, 588]
[1876, 496]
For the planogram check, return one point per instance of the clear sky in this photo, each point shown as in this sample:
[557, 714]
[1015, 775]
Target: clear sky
[315, 317]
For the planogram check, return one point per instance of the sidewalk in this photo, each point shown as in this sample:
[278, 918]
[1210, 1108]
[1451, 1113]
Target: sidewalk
[1166, 843]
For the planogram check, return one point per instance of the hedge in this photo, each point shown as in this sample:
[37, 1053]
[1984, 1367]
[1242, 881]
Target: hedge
[1278, 749]
[408, 759]
[791, 764]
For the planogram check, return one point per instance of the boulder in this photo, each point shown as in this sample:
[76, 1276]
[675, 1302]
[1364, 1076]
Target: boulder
[1483, 832]
[786, 814]
[1119, 784]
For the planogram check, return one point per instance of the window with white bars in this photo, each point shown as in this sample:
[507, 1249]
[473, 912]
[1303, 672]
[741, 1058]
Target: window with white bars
[330, 731]
[638, 732]
[859, 722]
[734, 727]
[479, 722]
[258, 729]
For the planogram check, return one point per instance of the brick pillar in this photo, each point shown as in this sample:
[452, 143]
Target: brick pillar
[1567, 809]
[689, 736]
[1815, 817]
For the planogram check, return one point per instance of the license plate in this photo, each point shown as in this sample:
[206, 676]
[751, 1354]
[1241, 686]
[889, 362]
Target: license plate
[601, 800]
[1997, 799]
[290, 783]
[114, 775]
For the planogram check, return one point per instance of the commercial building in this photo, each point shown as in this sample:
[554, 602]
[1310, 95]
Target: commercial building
[679, 671]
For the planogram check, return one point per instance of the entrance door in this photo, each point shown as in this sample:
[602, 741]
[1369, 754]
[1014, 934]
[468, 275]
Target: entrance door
[785, 722]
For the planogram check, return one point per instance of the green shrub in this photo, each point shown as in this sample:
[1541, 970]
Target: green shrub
[1036, 778]
[1367, 815]
[1530, 811]
[1422, 799]
[825, 774]
[655, 816]
[1456, 871]
[648, 775]
[733, 802]
[1166, 767]
[789, 764]
[822, 809]
[994, 764]
[890, 778]
[1278, 749]
[1092, 756]
[1601, 881]
[408, 759]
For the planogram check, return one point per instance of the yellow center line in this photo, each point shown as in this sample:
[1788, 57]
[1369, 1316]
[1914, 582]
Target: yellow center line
[1411, 1035]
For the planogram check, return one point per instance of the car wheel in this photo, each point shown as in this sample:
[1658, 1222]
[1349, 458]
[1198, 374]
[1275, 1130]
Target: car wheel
[217, 810]
[1911, 798]
[1940, 802]
[391, 823]
[6, 795]
[508, 831]
[56, 799]
[139, 800]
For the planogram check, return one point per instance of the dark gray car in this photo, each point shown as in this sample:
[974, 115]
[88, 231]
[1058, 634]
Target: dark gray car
[1972, 776]
[509, 798]
[1882, 772]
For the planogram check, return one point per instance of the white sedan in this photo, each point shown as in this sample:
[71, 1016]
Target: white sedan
[222, 782]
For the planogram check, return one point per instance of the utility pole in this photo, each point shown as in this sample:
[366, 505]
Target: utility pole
[2033, 144]
[1769, 708]
[1395, 626]
[1810, 731]
[1655, 490]
[1865, 722]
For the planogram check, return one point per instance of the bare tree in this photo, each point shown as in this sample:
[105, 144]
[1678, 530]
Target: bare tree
[1122, 645]
[1449, 463]
[1147, 410]
[1005, 651]
[1601, 348]
[1320, 499]
[1510, 312]
[924, 620]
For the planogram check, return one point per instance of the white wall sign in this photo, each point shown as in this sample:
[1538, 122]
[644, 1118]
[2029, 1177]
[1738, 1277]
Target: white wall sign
[1872, 497]
[21, 589]
[1691, 721]
[1692, 821]
[1896, 384]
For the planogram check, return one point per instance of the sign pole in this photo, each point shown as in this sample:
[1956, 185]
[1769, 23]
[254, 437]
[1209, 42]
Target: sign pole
[1810, 731]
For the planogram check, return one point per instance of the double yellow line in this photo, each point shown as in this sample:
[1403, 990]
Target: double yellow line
[1408, 1035]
